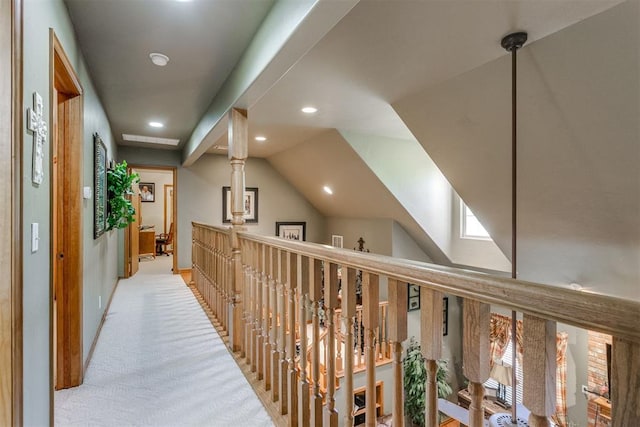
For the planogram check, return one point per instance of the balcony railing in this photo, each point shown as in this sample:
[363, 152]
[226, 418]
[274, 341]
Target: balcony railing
[264, 291]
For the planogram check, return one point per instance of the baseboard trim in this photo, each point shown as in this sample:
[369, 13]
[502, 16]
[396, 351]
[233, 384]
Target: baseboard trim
[104, 317]
[186, 275]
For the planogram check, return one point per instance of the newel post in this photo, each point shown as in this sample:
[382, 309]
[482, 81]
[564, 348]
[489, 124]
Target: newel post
[238, 152]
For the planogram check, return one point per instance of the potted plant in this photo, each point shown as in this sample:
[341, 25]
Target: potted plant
[415, 377]
[119, 182]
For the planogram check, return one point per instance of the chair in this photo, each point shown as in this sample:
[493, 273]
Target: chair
[163, 240]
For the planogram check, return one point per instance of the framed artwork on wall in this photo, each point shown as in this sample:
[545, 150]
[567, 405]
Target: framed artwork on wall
[413, 302]
[99, 187]
[292, 230]
[147, 191]
[250, 204]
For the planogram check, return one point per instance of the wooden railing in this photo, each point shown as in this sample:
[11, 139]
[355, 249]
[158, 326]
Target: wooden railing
[263, 290]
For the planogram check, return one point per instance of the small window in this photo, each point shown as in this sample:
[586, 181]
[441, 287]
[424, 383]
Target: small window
[471, 227]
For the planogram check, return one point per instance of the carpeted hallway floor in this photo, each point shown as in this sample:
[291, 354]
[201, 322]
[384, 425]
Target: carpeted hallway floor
[159, 362]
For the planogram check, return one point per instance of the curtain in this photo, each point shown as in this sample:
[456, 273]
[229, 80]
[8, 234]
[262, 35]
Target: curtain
[560, 418]
[499, 336]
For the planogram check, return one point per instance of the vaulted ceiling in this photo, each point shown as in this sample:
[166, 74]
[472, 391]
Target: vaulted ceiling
[431, 71]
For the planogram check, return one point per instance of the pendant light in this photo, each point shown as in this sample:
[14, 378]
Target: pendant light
[512, 42]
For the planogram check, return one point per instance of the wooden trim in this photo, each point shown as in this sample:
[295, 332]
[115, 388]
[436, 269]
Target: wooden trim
[66, 109]
[11, 213]
[16, 203]
[174, 170]
[104, 317]
[544, 301]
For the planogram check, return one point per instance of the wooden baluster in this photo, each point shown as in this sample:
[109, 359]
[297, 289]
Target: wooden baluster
[303, 291]
[268, 301]
[360, 338]
[237, 295]
[397, 321]
[539, 363]
[282, 330]
[475, 354]
[276, 289]
[255, 306]
[348, 312]
[370, 300]
[331, 303]
[625, 383]
[339, 339]
[383, 329]
[292, 392]
[315, 294]
[431, 346]
[261, 289]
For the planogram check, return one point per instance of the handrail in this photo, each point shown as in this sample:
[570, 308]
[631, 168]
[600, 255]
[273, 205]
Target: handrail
[250, 280]
[550, 302]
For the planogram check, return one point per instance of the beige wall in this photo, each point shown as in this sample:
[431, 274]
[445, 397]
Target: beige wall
[153, 212]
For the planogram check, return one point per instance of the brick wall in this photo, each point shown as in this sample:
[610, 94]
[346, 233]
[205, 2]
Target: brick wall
[597, 366]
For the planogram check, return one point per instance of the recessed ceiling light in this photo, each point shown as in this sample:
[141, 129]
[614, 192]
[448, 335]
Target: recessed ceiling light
[159, 59]
[327, 189]
[156, 125]
[261, 138]
[309, 110]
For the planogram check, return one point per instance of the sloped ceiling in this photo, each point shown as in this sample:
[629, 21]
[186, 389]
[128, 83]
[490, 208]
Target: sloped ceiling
[578, 191]
[357, 191]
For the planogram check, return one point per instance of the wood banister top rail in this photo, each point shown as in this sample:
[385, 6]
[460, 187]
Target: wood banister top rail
[601, 313]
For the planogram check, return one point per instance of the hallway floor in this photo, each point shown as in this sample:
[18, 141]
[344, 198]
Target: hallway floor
[159, 362]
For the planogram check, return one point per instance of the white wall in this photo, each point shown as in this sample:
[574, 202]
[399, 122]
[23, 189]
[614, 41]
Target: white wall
[100, 254]
[153, 212]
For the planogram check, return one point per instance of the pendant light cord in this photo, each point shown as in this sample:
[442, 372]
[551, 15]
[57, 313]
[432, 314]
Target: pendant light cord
[512, 43]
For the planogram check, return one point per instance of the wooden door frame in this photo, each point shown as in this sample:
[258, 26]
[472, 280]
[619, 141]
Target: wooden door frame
[68, 345]
[11, 134]
[174, 171]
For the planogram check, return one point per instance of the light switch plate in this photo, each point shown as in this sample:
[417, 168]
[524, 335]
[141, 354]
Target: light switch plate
[86, 193]
[35, 238]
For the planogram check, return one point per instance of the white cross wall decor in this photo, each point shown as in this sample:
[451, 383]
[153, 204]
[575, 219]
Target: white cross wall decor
[37, 125]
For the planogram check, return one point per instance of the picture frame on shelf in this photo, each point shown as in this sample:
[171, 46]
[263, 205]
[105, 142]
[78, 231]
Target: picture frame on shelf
[292, 230]
[413, 295]
[147, 191]
[250, 205]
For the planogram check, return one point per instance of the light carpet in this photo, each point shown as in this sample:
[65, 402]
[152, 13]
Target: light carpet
[159, 362]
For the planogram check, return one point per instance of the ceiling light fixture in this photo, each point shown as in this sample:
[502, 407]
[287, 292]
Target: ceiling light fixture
[159, 59]
[150, 139]
[156, 124]
[309, 110]
[327, 189]
[261, 138]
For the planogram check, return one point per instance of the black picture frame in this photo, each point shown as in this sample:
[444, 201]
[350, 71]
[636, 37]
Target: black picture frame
[413, 297]
[445, 316]
[292, 230]
[250, 201]
[148, 195]
[99, 186]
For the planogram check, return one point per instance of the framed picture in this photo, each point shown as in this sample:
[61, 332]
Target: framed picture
[445, 316]
[413, 302]
[250, 204]
[292, 230]
[99, 187]
[147, 191]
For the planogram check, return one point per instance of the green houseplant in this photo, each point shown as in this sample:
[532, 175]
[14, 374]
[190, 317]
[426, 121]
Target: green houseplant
[415, 377]
[119, 182]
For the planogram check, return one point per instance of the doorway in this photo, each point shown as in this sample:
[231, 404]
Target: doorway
[66, 218]
[154, 233]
